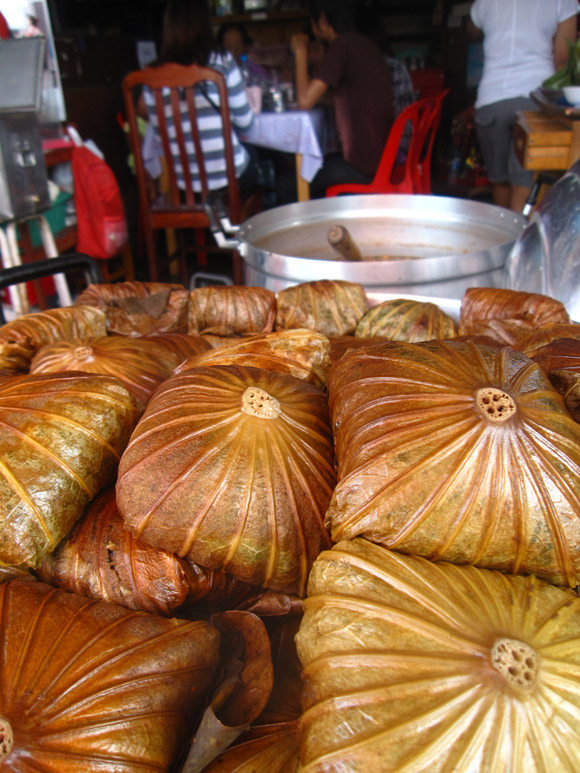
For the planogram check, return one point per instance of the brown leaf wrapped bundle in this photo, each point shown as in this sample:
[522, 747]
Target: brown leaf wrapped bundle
[62, 437]
[15, 358]
[14, 572]
[73, 323]
[456, 452]
[227, 310]
[140, 308]
[415, 666]
[508, 316]
[140, 364]
[332, 307]
[481, 303]
[300, 353]
[100, 559]
[402, 319]
[91, 686]
[232, 467]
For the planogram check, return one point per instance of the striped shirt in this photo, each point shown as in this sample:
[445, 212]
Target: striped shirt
[210, 125]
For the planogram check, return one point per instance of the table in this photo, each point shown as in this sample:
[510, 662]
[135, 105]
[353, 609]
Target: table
[548, 138]
[309, 134]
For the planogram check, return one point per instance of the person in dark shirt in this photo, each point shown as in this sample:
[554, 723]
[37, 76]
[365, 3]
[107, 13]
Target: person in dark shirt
[356, 72]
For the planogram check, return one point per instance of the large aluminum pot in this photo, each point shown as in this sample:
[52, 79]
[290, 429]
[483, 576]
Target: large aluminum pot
[424, 245]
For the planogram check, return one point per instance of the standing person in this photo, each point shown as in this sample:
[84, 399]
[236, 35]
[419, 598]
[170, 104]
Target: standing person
[355, 70]
[524, 42]
[188, 39]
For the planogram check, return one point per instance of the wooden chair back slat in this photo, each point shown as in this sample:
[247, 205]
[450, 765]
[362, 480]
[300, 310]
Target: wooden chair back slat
[177, 99]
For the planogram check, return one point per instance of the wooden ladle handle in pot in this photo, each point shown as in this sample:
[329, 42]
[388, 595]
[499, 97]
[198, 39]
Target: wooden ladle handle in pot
[342, 243]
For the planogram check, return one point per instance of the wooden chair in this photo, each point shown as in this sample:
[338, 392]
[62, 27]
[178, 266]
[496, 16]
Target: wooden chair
[391, 177]
[179, 208]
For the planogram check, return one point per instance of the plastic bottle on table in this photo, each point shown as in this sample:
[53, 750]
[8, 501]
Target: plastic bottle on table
[245, 70]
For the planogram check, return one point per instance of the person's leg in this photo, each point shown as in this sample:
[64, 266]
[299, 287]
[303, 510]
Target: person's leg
[519, 196]
[501, 194]
[521, 179]
[336, 171]
[494, 141]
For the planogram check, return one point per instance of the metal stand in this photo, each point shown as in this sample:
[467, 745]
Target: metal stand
[11, 257]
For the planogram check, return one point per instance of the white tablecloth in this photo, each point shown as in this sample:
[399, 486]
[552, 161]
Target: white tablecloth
[308, 133]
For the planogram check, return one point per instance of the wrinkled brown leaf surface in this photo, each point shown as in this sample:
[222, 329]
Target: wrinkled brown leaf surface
[422, 469]
[92, 686]
[232, 490]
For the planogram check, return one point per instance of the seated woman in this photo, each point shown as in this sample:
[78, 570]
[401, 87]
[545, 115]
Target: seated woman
[188, 39]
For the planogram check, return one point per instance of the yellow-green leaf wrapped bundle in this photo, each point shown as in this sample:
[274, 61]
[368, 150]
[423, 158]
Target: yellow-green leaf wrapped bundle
[413, 666]
[402, 319]
[61, 440]
[332, 307]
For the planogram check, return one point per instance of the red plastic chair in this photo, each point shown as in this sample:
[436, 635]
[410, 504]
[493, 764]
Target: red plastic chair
[423, 179]
[391, 177]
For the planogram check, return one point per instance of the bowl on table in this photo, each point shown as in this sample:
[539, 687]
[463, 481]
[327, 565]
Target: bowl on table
[572, 94]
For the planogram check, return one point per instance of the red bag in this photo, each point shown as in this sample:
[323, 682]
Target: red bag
[101, 221]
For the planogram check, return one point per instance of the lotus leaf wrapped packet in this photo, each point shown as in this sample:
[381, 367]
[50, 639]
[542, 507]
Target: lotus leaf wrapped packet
[90, 686]
[139, 308]
[414, 666]
[484, 303]
[232, 467]
[508, 316]
[456, 452]
[62, 437]
[100, 559]
[141, 364]
[226, 310]
[403, 319]
[72, 323]
[333, 307]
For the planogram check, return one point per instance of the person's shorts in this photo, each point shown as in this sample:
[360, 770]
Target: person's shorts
[494, 125]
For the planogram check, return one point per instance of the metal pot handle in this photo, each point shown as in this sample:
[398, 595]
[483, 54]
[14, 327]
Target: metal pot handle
[539, 180]
[220, 224]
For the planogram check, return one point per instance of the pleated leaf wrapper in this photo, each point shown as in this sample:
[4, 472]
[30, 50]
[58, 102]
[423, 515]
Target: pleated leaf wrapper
[232, 467]
[72, 323]
[139, 308]
[333, 307]
[61, 440]
[402, 319]
[457, 452]
[100, 559]
[231, 310]
[141, 364]
[90, 686]
[414, 666]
